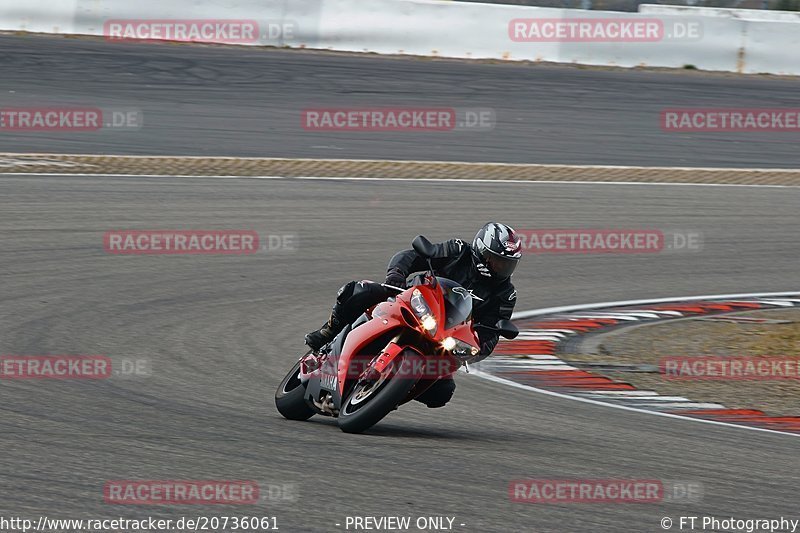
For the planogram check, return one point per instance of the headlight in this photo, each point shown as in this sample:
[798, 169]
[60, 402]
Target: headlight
[423, 311]
[429, 323]
[459, 348]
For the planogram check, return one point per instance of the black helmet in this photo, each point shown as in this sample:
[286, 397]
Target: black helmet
[498, 250]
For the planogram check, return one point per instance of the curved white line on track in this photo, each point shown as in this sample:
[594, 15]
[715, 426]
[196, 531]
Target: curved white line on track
[514, 384]
[624, 303]
[550, 310]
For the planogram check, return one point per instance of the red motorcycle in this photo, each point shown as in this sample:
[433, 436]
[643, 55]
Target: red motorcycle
[390, 355]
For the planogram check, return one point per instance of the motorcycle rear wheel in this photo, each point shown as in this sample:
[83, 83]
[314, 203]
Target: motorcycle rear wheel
[290, 396]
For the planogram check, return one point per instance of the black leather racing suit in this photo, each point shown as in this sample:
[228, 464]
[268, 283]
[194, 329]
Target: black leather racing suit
[455, 260]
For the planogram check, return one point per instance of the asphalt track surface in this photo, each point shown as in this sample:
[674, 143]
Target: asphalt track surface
[221, 331]
[202, 100]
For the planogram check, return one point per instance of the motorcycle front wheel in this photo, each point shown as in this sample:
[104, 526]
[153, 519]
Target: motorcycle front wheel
[373, 399]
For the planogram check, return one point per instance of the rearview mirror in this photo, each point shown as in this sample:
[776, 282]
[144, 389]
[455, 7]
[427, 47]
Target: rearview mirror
[507, 329]
[423, 246]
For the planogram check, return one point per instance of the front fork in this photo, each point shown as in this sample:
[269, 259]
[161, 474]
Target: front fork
[383, 361]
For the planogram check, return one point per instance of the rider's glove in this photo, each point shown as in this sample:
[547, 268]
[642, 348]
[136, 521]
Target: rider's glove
[396, 278]
[487, 345]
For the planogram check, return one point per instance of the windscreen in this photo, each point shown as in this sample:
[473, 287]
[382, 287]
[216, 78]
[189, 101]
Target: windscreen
[457, 302]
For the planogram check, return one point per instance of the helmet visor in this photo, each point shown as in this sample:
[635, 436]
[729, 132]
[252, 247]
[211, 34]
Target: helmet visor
[501, 266]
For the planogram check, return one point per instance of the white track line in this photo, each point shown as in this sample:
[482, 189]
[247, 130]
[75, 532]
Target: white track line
[621, 392]
[779, 303]
[657, 398]
[516, 385]
[590, 316]
[435, 180]
[541, 368]
[181, 176]
[578, 398]
[628, 314]
[660, 312]
[625, 303]
[524, 357]
[683, 405]
[539, 331]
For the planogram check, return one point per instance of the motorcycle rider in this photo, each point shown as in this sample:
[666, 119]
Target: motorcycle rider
[484, 268]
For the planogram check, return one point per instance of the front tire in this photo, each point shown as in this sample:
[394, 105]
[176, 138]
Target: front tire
[290, 396]
[369, 403]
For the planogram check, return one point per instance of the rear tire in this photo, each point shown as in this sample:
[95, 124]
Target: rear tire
[358, 415]
[290, 397]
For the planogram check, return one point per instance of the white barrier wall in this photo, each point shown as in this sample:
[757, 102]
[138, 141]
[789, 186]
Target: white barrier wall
[771, 47]
[436, 28]
[721, 12]
[470, 30]
[45, 16]
[770, 39]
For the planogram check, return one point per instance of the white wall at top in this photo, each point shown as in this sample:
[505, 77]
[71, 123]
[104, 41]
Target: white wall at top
[771, 47]
[436, 28]
[747, 14]
[770, 40]
[471, 30]
[42, 16]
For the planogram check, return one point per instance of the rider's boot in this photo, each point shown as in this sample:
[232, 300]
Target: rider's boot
[319, 338]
